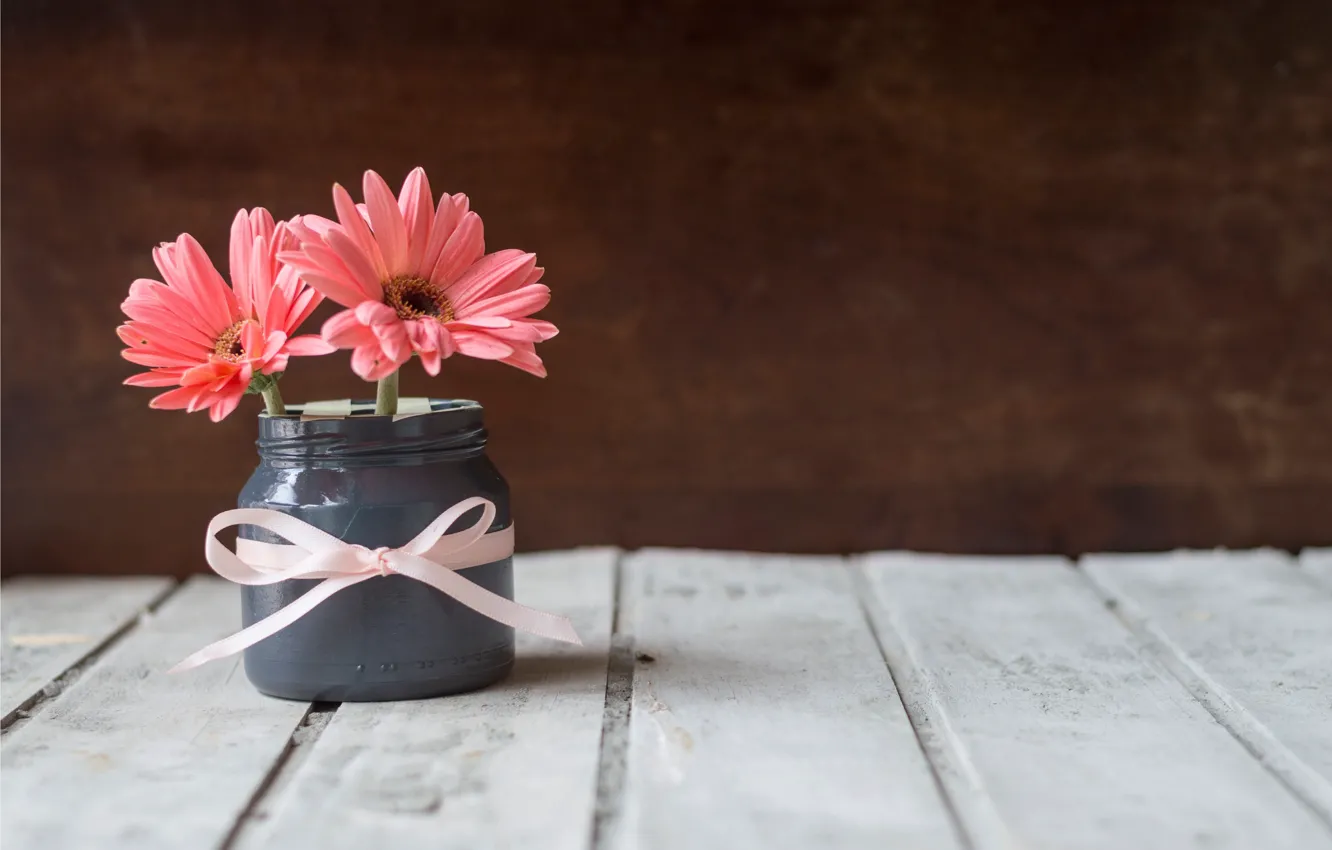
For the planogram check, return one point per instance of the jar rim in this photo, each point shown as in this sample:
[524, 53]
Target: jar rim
[428, 430]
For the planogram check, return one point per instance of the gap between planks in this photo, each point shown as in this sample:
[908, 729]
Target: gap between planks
[975, 818]
[613, 755]
[1233, 712]
[18, 717]
[288, 763]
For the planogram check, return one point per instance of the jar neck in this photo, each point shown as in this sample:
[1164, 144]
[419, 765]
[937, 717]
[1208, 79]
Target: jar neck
[450, 430]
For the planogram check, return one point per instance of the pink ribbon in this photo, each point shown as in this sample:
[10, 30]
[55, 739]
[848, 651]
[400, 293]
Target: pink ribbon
[432, 557]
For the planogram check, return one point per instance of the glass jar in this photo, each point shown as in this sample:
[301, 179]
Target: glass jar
[377, 481]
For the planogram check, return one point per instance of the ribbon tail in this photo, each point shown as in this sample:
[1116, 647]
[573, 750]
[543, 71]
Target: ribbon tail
[268, 626]
[489, 604]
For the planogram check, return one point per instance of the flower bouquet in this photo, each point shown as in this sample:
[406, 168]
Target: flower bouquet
[355, 584]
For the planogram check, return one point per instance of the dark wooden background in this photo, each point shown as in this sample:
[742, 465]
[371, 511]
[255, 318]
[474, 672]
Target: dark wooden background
[1027, 276]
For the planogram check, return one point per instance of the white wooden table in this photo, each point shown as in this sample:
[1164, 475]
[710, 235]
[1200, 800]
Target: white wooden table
[722, 701]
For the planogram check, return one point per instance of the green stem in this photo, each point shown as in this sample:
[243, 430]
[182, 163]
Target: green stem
[386, 396]
[273, 400]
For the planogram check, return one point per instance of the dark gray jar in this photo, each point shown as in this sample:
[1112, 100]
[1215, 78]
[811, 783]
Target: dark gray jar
[378, 482]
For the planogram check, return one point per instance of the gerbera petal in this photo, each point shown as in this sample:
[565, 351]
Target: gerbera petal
[533, 276]
[386, 221]
[464, 246]
[308, 345]
[225, 404]
[542, 327]
[355, 261]
[372, 363]
[527, 360]
[430, 361]
[393, 338]
[446, 343]
[346, 330]
[157, 339]
[416, 333]
[277, 363]
[306, 301]
[242, 243]
[315, 257]
[216, 385]
[484, 322]
[447, 216]
[156, 316]
[167, 306]
[376, 313]
[273, 344]
[154, 360]
[155, 378]
[366, 359]
[521, 330]
[155, 349]
[216, 301]
[355, 227]
[310, 228]
[164, 257]
[280, 294]
[418, 212]
[252, 339]
[261, 278]
[479, 344]
[262, 224]
[178, 399]
[433, 337]
[283, 238]
[493, 274]
[216, 369]
[340, 288]
[516, 304]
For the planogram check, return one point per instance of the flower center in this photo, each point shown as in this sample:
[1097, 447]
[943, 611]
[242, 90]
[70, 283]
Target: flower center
[228, 345]
[415, 298]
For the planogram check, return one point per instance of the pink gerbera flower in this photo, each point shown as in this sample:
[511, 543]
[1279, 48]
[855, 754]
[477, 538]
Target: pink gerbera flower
[211, 341]
[415, 279]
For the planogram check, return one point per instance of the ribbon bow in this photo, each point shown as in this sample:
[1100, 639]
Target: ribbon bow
[432, 557]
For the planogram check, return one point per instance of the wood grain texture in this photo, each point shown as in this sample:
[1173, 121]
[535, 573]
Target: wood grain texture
[996, 277]
[1251, 637]
[1054, 729]
[763, 714]
[514, 765]
[49, 625]
[129, 757]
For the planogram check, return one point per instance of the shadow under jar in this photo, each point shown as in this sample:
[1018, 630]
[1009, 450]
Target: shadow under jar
[377, 481]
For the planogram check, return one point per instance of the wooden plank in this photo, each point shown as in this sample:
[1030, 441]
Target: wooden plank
[50, 624]
[130, 757]
[1251, 638]
[763, 714]
[1318, 563]
[514, 765]
[1053, 729]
